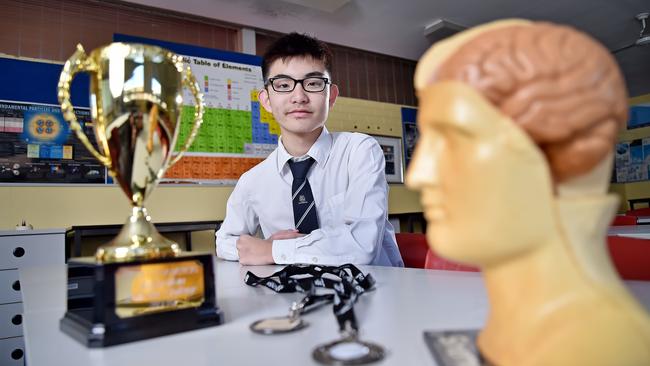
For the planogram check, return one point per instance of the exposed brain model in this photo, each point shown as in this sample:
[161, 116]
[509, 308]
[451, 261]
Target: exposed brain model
[559, 85]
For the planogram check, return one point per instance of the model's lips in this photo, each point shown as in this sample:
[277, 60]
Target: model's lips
[434, 213]
[433, 209]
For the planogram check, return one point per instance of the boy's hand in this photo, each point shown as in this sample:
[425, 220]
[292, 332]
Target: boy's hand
[254, 251]
[286, 234]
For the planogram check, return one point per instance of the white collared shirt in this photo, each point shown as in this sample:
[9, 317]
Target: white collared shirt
[351, 196]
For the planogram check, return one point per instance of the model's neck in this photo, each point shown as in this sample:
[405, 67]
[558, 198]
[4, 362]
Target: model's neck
[585, 221]
[299, 144]
[523, 291]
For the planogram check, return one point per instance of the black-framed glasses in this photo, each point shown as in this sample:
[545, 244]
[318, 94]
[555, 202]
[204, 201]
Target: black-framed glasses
[286, 84]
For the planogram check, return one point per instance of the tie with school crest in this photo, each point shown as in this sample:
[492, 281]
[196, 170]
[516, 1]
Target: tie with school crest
[304, 208]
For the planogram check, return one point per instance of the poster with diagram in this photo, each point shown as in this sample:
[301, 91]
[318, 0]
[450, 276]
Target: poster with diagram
[36, 143]
[37, 146]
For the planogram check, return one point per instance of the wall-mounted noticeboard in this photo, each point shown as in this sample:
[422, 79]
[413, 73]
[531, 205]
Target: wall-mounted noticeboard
[632, 161]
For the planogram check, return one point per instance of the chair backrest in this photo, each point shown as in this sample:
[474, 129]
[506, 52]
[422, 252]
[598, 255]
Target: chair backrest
[631, 257]
[642, 201]
[639, 212]
[623, 220]
[413, 248]
[433, 261]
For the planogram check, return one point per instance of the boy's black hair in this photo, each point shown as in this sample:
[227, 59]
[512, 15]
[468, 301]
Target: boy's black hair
[295, 44]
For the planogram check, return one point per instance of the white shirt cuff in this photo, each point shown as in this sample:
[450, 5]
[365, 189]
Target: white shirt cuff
[284, 251]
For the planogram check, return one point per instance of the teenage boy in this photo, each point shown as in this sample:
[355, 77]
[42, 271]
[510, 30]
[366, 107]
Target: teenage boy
[320, 197]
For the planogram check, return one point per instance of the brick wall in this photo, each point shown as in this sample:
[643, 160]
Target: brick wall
[50, 29]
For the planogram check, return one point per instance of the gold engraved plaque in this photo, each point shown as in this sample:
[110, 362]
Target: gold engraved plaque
[149, 288]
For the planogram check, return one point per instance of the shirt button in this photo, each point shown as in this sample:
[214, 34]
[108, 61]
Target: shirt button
[315, 260]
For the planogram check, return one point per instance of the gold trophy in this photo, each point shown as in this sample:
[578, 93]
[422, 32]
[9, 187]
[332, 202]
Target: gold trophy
[139, 285]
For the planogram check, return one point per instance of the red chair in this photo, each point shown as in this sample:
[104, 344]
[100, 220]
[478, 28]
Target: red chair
[639, 212]
[433, 261]
[631, 257]
[623, 220]
[413, 248]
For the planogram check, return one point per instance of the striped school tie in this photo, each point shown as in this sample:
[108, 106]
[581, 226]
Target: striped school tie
[304, 209]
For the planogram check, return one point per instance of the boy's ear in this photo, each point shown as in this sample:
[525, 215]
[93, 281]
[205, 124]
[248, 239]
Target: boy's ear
[334, 93]
[263, 97]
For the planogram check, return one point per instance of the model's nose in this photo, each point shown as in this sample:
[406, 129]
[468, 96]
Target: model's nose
[423, 169]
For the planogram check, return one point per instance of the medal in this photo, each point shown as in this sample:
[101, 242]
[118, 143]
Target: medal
[285, 324]
[293, 321]
[348, 350]
[348, 283]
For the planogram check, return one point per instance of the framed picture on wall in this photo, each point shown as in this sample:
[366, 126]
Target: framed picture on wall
[392, 148]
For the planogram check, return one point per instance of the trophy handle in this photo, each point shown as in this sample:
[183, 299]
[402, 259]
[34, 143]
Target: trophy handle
[190, 82]
[78, 62]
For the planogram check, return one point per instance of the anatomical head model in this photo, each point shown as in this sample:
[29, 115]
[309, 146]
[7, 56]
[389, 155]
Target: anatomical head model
[517, 122]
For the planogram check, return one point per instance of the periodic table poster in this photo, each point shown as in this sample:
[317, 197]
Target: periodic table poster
[237, 133]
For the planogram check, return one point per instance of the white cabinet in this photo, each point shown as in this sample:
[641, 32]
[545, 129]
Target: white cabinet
[20, 249]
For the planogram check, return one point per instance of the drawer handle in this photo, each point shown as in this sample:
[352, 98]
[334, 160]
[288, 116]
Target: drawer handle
[17, 354]
[16, 285]
[19, 252]
[17, 319]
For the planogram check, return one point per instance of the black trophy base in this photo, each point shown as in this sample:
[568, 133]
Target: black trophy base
[77, 325]
[91, 317]
[455, 348]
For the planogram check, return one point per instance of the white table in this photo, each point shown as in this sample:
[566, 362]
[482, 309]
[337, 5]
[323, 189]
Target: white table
[406, 302]
[642, 220]
[632, 231]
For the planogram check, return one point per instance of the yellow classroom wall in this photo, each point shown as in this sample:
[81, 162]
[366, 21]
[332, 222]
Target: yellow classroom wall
[628, 191]
[64, 206]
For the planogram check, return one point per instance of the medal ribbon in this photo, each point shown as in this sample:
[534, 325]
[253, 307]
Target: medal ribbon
[347, 282]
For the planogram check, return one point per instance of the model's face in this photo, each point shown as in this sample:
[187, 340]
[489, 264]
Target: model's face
[485, 187]
[299, 112]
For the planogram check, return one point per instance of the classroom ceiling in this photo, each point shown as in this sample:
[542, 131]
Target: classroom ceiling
[396, 27]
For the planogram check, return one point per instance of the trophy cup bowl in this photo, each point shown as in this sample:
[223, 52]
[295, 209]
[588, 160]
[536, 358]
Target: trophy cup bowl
[139, 285]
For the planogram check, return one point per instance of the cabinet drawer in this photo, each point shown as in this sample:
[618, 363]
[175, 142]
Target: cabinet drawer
[9, 287]
[11, 320]
[12, 351]
[29, 250]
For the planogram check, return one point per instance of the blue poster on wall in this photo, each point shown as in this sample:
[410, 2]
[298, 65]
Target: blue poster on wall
[639, 116]
[37, 146]
[409, 132]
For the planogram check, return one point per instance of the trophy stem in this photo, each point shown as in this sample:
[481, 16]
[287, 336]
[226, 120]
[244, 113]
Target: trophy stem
[138, 239]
